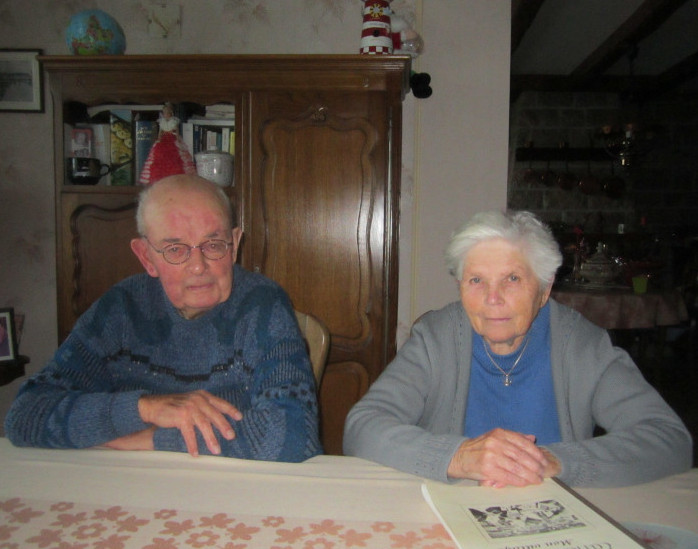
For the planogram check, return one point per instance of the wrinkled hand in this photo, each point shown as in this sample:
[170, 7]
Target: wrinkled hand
[189, 411]
[501, 458]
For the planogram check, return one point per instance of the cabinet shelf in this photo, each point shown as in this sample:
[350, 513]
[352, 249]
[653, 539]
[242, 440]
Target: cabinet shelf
[101, 189]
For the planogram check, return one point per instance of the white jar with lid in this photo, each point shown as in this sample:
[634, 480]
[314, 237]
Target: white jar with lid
[216, 166]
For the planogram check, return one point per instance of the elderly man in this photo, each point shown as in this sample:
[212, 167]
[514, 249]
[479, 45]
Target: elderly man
[197, 355]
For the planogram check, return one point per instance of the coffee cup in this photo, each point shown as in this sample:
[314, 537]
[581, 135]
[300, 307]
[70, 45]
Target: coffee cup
[85, 171]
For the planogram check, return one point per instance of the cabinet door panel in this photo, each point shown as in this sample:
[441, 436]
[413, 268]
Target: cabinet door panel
[318, 226]
[317, 221]
[95, 251]
[317, 213]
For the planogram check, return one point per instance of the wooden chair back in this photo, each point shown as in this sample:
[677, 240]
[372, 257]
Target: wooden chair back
[317, 336]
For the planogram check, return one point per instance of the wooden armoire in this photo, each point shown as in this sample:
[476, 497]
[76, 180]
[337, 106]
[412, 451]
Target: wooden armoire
[317, 183]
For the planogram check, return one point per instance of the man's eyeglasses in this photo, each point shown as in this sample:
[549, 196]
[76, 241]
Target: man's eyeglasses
[175, 254]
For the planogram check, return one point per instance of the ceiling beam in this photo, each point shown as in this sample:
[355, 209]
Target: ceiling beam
[588, 75]
[523, 12]
[647, 18]
[642, 86]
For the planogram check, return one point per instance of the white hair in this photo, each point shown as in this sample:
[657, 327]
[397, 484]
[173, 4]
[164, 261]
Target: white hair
[521, 229]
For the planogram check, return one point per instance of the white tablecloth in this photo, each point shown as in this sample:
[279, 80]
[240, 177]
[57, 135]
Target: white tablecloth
[158, 500]
[672, 501]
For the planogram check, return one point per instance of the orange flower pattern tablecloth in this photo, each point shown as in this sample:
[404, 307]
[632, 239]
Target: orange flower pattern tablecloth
[68, 525]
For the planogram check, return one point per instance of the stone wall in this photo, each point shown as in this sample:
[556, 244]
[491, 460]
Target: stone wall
[661, 187]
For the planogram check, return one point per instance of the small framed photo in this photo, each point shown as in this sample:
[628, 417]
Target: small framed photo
[81, 142]
[8, 337]
[21, 81]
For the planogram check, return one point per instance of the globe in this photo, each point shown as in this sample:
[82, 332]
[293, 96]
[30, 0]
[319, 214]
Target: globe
[94, 32]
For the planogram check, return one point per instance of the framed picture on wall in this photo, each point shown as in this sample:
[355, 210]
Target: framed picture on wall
[8, 339]
[21, 81]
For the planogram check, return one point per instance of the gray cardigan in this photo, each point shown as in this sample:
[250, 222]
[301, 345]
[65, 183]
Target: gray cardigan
[412, 417]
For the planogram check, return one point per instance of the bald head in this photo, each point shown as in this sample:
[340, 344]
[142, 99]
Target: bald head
[177, 190]
[184, 213]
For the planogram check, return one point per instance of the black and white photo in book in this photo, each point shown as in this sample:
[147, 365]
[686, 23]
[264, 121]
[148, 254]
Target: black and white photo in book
[21, 81]
[521, 519]
[8, 340]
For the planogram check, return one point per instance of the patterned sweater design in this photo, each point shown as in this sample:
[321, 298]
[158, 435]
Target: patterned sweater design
[131, 342]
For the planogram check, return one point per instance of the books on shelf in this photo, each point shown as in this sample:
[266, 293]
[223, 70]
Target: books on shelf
[212, 131]
[122, 135]
[119, 150]
[209, 134]
[146, 131]
[546, 515]
[121, 124]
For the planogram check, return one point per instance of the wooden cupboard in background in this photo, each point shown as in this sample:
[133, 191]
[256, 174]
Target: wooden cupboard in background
[317, 183]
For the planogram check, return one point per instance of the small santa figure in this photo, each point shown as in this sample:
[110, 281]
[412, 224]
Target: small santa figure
[169, 154]
[376, 35]
[406, 40]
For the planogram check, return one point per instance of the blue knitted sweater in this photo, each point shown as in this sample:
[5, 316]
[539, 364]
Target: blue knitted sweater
[248, 351]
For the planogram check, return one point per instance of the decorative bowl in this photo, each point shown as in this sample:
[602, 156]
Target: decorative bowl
[598, 269]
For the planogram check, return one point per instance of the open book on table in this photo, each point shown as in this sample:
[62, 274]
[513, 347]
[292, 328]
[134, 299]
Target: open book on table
[546, 515]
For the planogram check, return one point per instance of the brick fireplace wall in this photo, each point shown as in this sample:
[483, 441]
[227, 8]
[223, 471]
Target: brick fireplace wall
[661, 187]
[657, 213]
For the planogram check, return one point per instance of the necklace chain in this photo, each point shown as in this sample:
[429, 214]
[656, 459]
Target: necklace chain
[507, 375]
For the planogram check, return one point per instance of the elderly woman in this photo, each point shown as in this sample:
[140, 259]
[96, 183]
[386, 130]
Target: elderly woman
[507, 386]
